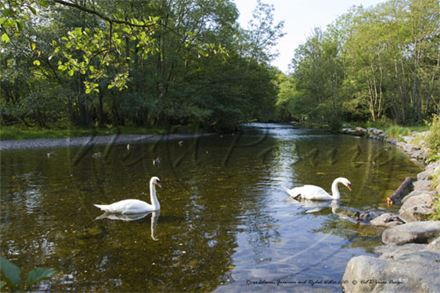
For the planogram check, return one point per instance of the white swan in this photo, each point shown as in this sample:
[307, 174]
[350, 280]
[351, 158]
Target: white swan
[134, 206]
[313, 192]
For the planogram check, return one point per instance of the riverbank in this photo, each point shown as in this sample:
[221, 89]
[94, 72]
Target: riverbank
[409, 260]
[21, 133]
[92, 140]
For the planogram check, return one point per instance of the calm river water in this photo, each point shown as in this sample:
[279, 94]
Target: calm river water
[225, 222]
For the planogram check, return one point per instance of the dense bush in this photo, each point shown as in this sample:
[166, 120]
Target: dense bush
[433, 138]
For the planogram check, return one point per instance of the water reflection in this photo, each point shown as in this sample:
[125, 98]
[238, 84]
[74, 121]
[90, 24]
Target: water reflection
[312, 206]
[134, 217]
[224, 218]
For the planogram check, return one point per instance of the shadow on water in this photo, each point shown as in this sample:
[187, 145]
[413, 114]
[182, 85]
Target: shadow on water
[225, 221]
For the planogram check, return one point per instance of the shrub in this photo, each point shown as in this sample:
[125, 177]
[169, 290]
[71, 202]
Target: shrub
[433, 138]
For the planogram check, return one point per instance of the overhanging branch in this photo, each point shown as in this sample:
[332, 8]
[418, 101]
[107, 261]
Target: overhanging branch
[100, 15]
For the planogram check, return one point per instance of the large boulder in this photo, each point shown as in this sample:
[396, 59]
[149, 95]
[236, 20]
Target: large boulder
[395, 251]
[413, 272]
[434, 245]
[414, 232]
[417, 208]
[417, 192]
[423, 185]
[425, 175]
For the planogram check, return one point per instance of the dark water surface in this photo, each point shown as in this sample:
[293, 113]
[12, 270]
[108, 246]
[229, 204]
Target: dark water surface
[225, 222]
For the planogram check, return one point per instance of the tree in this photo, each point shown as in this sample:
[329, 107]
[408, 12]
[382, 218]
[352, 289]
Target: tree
[155, 63]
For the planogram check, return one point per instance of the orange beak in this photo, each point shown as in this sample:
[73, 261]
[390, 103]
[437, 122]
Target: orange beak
[158, 184]
[349, 186]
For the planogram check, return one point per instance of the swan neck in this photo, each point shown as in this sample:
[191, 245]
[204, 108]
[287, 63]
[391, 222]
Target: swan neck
[335, 190]
[153, 197]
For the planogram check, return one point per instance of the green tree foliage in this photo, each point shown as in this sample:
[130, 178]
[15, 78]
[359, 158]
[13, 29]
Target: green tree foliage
[316, 81]
[160, 62]
[371, 64]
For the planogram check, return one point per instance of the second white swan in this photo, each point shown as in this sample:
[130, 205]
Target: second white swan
[134, 206]
[313, 192]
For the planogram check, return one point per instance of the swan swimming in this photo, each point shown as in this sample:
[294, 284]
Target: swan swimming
[313, 192]
[134, 206]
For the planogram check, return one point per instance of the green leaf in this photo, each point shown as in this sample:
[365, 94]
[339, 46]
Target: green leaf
[19, 25]
[36, 62]
[5, 38]
[37, 275]
[10, 271]
[43, 3]
[34, 12]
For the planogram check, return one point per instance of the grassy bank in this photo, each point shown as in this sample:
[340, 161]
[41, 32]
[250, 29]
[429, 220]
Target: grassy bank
[392, 130]
[20, 132]
[436, 182]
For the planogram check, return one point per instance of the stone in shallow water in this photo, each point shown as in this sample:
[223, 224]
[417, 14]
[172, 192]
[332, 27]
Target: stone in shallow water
[387, 220]
[413, 272]
[414, 232]
[360, 131]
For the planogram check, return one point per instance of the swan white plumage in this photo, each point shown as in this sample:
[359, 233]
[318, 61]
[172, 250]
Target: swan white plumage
[134, 206]
[313, 192]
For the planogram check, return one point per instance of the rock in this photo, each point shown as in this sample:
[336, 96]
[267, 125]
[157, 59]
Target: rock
[409, 149]
[419, 154]
[395, 251]
[382, 136]
[349, 131]
[374, 131]
[417, 192]
[360, 131]
[423, 185]
[434, 244]
[413, 272]
[425, 175]
[363, 216]
[392, 141]
[407, 139]
[414, 232]
[433, 166]
[387, 220]
[417, 208]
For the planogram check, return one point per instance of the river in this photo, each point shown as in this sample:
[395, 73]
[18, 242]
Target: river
[225, 222]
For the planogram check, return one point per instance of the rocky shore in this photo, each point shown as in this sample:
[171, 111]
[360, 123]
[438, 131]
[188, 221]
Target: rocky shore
[409, 260]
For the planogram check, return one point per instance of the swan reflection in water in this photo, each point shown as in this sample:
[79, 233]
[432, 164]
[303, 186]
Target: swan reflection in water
[344, 213]
[134, 217]
[312, 206]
